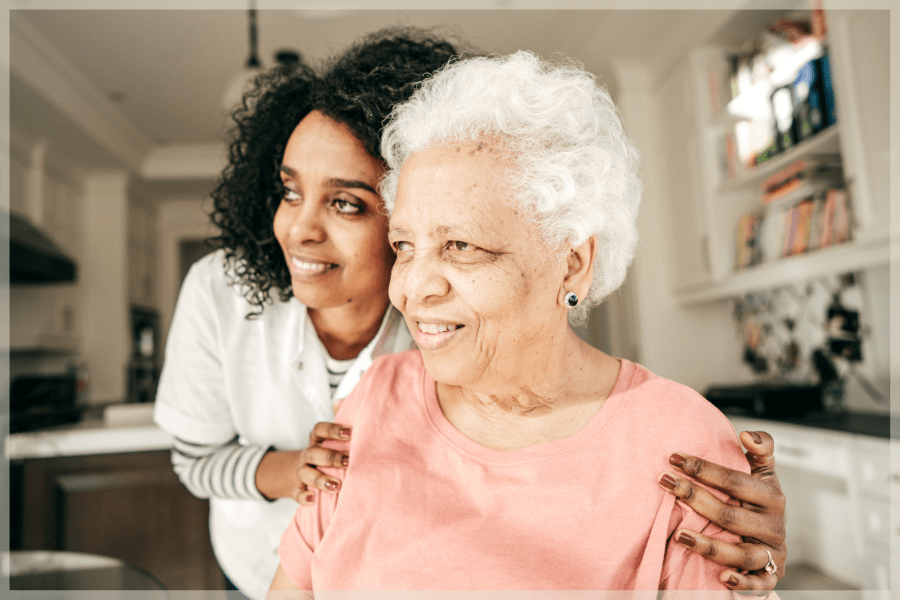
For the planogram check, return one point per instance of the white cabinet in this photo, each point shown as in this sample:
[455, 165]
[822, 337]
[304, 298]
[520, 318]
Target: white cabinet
[142, 254]
[46, 317]
[709, 204]
[838, 489]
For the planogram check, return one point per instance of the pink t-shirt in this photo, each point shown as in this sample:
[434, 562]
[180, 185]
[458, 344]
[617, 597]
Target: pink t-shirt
[423, 507]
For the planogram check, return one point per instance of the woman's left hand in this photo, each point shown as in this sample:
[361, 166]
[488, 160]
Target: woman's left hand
[759, 519]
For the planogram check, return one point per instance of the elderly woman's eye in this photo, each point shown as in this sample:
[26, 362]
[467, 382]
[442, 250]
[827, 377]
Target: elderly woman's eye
[346, 207]
[401, 246]
[462, 246]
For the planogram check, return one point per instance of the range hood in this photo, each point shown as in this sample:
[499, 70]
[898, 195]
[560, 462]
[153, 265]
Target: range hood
[34, 257]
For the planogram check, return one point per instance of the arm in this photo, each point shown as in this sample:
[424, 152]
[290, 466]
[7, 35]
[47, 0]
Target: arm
[194, 403]
[759, 518]
[283, 588]
[217, 470]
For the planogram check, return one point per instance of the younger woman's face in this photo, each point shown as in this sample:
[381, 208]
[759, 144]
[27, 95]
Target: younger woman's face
[331, 223]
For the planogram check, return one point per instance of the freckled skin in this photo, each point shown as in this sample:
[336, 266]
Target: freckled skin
[507, 263]
[513, 373]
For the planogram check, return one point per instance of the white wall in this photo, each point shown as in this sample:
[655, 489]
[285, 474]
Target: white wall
[178, 219]
[688, 345]
[107, 345]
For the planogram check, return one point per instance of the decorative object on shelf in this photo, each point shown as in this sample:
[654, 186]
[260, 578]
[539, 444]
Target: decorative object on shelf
[781, 93]
[748, 252]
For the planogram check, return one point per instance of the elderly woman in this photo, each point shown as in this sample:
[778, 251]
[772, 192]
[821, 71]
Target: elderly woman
[506, 453]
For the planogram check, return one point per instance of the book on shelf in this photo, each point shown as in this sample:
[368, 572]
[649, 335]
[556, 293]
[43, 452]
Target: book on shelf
[808, 166]
[817, 221]
[803, 222]
[836, 223]
[822, 169]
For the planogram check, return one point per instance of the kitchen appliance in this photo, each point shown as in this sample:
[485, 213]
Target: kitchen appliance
[33, 257]
[143, 367]
[772, 399]
[37, 402]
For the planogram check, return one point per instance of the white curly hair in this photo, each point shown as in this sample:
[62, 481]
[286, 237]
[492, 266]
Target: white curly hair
[575, 170]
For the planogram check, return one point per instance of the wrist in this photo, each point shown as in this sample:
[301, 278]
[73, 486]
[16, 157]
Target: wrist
[276, 474]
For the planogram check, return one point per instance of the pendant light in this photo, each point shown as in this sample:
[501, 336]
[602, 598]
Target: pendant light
[241, 81]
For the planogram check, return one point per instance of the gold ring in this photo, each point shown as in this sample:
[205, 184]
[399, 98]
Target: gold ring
[770, 567]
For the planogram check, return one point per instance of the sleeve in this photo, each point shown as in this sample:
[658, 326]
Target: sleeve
[682, 568]
[221, 471]
[192, 403]
[303, 534]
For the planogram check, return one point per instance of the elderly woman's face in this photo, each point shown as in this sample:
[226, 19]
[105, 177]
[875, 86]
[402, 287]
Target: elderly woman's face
[477, 285]
[331, 224]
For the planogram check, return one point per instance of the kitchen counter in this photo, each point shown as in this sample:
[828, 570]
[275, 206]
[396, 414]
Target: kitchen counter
[118, 428]
[857, 423]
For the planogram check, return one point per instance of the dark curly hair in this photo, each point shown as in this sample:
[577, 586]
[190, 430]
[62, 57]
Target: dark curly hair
[358, 88]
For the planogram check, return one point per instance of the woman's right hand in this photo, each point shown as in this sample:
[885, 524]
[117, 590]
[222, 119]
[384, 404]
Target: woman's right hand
[308, 476]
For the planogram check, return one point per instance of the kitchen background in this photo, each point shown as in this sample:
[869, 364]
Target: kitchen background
[765, 258]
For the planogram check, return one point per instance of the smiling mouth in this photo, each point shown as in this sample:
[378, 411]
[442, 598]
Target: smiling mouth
[311, 268]
[437, 327]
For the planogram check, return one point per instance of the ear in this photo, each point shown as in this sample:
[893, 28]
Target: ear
[580, 274]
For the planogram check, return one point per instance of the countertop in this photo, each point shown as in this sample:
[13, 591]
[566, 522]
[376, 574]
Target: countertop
[130, 428]
[857, 423]
[111, 429]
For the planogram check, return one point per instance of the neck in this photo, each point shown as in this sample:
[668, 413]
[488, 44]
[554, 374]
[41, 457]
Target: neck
[568, 387]
[345, 330]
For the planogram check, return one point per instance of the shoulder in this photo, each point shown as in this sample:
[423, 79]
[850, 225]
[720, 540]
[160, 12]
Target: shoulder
[674, 416]
[211, 288]
[388, 378]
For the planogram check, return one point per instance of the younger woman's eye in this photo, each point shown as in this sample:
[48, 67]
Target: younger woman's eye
[290, 195]
[347, 208]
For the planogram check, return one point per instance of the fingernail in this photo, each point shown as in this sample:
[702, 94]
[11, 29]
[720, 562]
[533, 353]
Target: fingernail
[345, 432]
[756, 437]
[676, 460]
[667, 482]
[310, 497]
[331, 486]
[732, 581]
[686, 539]
[345, 461]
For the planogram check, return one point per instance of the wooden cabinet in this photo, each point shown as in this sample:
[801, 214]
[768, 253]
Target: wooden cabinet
[711, 202]
[129, 506]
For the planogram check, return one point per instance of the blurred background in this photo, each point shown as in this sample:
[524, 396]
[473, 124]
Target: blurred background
[762, 279]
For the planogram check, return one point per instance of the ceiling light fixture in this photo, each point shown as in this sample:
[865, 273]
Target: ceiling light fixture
[238, 84]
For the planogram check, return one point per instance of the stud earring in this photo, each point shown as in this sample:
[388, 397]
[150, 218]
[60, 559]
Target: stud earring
[571, 300]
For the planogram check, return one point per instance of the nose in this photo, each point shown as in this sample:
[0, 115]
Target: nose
[307, 224]
[419, 280]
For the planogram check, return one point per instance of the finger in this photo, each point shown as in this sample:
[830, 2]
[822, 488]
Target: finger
[303, 495]
[328, 431]
[750, 582]
[324, 457]
[745, 557]
[736, 519]
[736, 484]
[316, 479]
[761, 455]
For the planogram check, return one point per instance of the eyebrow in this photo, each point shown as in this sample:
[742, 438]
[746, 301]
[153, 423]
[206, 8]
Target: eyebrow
[441, 230]
[335, 182]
